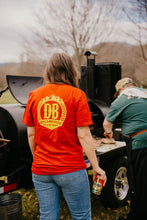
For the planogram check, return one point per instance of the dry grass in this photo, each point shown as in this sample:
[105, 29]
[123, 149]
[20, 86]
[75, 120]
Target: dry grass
[30, 208]
[7, 98]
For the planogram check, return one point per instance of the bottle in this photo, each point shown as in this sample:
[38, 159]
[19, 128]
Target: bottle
[97, 185]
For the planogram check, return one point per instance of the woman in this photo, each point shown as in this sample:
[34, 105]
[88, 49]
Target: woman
[57, 117]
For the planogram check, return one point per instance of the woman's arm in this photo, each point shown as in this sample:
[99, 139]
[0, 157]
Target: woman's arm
[31, 138]
[87, 143]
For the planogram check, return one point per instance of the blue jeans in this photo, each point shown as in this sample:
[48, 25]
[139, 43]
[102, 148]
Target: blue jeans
[75, 188]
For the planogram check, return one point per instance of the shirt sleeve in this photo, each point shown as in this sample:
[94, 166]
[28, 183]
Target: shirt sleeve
[83, 114]
[27, 117]
[116, 109]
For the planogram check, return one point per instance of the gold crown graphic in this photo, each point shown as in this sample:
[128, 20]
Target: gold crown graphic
[51, 112]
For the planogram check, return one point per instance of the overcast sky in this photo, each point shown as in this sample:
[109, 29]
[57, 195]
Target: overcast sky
[16, 15]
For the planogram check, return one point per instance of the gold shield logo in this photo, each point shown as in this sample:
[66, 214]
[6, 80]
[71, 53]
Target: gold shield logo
[51, 112]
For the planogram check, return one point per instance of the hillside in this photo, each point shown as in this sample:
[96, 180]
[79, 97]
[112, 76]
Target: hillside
[24, 69]
[127, 55]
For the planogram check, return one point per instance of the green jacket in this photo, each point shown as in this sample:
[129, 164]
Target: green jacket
[132, 113]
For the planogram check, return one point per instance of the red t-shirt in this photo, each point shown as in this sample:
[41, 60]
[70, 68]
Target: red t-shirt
[56, 111]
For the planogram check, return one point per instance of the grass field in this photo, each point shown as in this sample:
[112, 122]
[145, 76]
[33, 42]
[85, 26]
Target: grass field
[30, 206]
[7, 98]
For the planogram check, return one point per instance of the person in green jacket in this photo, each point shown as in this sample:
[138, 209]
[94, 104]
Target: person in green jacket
[130, 108]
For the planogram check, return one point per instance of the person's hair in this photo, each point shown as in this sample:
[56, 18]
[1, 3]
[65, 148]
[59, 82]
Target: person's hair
[60, 69]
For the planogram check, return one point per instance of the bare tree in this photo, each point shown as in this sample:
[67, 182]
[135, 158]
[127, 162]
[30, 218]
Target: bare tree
[137, 14]
[71, 26]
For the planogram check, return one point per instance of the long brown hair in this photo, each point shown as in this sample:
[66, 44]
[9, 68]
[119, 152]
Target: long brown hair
[60, 69]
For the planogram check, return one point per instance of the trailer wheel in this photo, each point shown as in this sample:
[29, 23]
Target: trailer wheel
[116, 191]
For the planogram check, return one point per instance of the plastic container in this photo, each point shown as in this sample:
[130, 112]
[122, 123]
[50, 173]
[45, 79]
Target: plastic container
[11, 207]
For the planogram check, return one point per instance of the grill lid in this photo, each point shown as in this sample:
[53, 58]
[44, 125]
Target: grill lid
[21, 86]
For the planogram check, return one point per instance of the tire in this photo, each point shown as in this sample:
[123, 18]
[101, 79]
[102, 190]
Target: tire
[116, 191]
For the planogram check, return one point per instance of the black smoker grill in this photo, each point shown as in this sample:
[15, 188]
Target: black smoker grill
[98, 81]
[15, 155]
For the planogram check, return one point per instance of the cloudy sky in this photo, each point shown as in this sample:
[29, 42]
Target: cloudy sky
[17, 15]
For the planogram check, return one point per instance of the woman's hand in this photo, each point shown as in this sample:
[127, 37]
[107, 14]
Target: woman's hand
[101, 173]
